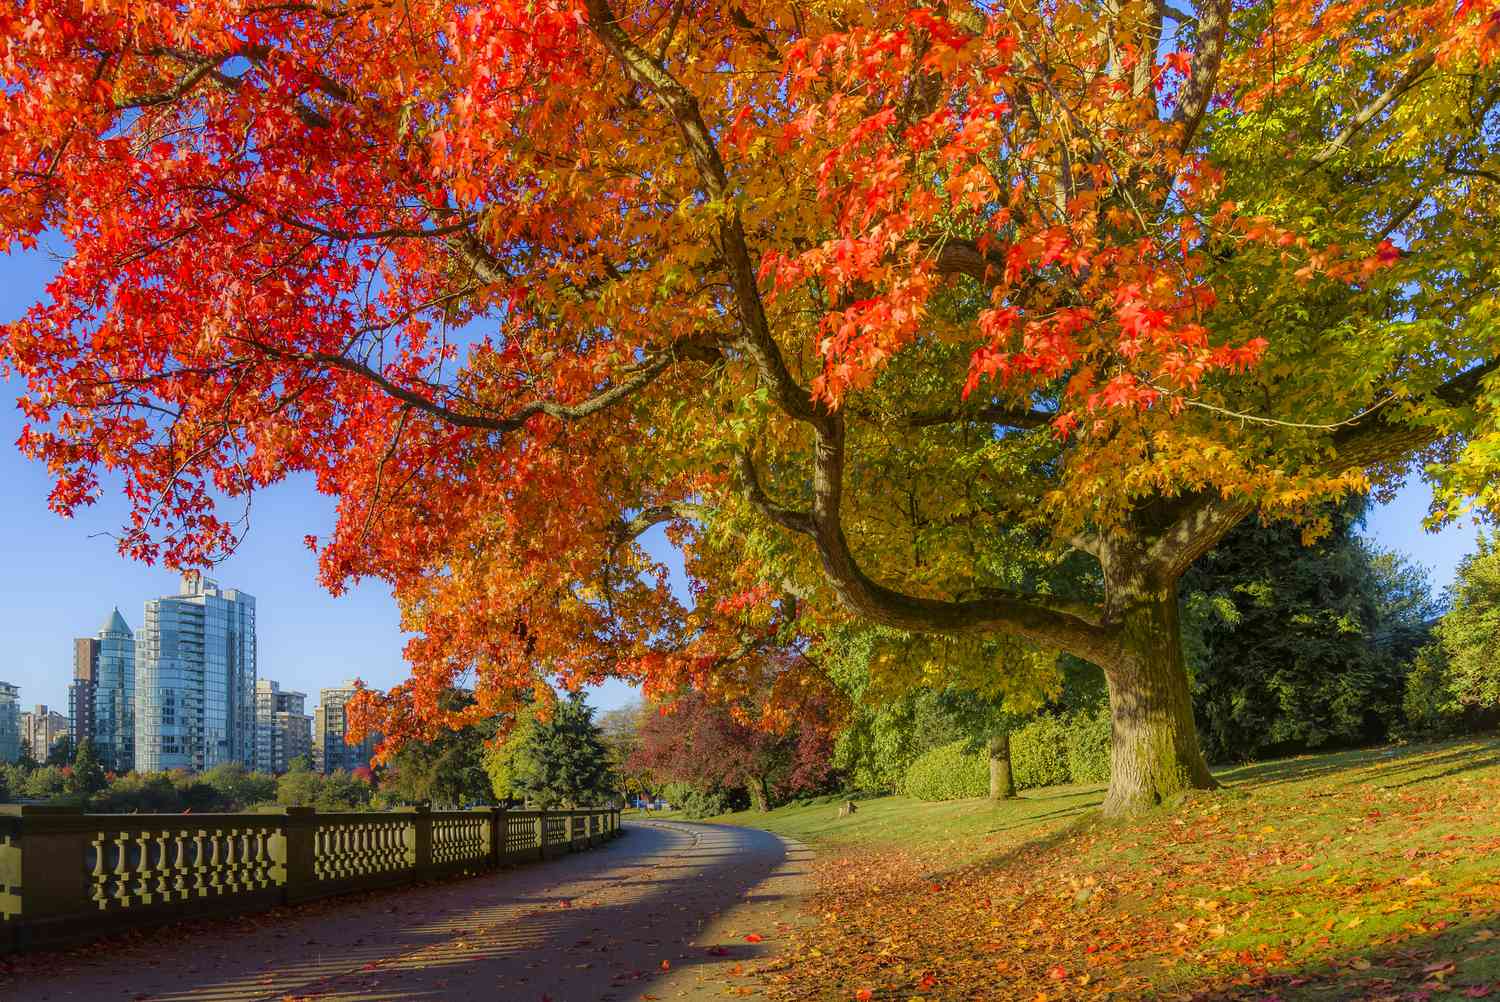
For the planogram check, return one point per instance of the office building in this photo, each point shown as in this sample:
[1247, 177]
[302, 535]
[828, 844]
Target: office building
[330, 726]
[283, 729]
[195, 690]
[42, 728]
[82, 691]
[10, 722]
[114, 696]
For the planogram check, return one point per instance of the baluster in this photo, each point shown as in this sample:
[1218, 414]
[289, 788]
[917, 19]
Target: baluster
[120, 885]
[182, 873]
[100, 876]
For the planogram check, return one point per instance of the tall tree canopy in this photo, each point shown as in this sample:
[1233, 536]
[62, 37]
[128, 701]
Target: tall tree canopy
[860, 300]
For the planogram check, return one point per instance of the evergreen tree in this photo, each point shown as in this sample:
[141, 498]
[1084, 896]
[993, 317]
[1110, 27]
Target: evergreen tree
[88, 775]
[447, 771]
[62, 751]
[1470, 632]
[561, 761]
[1294, 645]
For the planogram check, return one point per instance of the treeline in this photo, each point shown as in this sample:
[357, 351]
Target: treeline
[555, 757]
[1298, 637]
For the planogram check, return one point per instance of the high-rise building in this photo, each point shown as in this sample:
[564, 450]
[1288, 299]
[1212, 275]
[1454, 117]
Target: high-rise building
[114, 696]
[330, 725]
[42, 728]
[195, 686]
[10, 722]
[283, 730]
[81, 692]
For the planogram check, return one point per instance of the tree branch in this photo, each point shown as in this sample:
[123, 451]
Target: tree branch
[645, 72]
[1197, 91]
[1375, 106]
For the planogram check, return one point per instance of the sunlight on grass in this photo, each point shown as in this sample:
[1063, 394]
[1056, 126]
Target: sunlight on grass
[1362, 874]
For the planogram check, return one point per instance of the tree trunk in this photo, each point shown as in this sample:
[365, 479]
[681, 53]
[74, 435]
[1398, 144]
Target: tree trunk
[1154, 752]
[1002, 784]
[760, 793]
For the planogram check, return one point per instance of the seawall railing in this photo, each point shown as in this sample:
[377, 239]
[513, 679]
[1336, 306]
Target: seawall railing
[66, 876]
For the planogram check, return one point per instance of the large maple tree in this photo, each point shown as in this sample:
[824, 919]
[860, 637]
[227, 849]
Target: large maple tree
[880, 308]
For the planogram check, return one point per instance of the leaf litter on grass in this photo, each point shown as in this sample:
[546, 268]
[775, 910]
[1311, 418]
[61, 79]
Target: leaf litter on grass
[1378, 880]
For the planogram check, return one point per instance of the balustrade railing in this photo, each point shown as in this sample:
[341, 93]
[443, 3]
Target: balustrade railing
[66, 876]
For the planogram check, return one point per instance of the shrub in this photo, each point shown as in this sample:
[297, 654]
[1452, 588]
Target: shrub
[1039, 753]
[1088, 746]
[704, 803]
[949, 772]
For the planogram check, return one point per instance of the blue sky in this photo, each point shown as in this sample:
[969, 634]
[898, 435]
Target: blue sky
[60, 578]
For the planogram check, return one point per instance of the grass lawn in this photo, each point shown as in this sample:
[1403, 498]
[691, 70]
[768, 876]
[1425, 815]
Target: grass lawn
[1358, 875]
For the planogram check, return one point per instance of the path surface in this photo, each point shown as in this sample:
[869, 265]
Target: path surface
[662, 912]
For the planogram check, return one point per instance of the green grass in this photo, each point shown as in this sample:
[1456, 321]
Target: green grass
[1333, 873]
[902, 822]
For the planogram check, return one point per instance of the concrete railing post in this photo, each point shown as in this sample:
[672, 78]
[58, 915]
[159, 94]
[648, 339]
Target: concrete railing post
[422, 837]
[296, 852]
[42, 869]
[497, 837]
[541, 834]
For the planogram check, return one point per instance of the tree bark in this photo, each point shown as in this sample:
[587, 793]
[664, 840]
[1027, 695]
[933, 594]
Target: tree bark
[760, 793]
[1154, 750]
[1002, 783]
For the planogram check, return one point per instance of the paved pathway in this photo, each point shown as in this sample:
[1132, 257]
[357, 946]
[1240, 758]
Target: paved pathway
[661, 913]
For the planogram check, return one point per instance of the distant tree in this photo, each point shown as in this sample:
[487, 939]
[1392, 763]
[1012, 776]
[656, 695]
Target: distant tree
[448, 770]
[559, 761]
[341, 791]
[237, 787]
[912, 694]
[621, 729]
[28, 762]
[303, 763]
[299, 786]
[88, 775]
[62, 751]
[49, 782]
[1470, 632]
[697, 741]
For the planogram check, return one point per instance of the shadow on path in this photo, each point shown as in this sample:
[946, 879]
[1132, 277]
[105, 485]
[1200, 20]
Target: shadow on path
[608, 925]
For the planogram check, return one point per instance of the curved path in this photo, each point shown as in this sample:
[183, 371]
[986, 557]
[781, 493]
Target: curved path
[661, 913]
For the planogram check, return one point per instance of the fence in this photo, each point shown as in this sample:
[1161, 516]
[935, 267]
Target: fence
[66, 876]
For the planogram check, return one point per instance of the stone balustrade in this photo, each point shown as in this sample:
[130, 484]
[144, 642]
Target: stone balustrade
[66, 876]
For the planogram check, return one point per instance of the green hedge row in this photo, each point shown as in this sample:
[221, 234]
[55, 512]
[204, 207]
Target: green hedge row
[1047, 751]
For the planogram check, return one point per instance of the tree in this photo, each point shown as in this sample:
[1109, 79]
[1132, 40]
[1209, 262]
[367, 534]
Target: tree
[843, 296]
[694, 740]
[447, 772]
[88, 775]
[620, 731]
[1294, 644]
[558, 759]
[1470, 632]
[238, 788]
[62, 751]
[299, 786]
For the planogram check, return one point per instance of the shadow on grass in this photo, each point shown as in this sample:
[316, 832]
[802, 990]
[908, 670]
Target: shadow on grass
[1377, 766]
[1459, 961]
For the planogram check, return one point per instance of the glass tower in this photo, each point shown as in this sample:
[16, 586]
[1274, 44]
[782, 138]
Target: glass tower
[114, 696]
[10, 722]
[195, 692]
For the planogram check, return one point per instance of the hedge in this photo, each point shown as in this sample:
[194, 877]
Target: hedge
[949, 772]
[1047, 751]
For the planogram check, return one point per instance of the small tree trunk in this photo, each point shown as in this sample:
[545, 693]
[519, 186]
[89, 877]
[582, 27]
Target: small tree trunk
[760, 793]
[1002, 785]
[1154, 752]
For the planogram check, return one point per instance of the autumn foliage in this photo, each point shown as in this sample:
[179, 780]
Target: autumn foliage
[879, 309]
